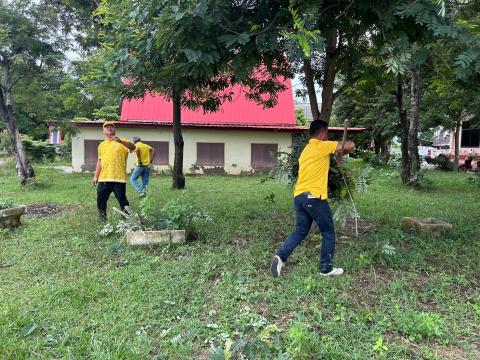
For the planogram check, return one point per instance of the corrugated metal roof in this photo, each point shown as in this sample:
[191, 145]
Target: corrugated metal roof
[238, 111]
[153, 124]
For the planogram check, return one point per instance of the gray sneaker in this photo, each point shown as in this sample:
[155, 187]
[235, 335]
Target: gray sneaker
[334, 272]
[276, 267]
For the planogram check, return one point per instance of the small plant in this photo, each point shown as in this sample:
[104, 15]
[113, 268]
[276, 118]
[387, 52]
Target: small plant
[6, 203]
[418, 326]
[176, 214]
[421, 180]
[380, 347]
[388, 249]
[364, 260]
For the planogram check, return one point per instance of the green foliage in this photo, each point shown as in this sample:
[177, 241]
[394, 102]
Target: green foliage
[109, 112]
[38, 151]
[305, 37]
[191, 43]
[300, 117]
[442, 162]
[6, 203]
[380, 347]
[420, 325]
[175, 214]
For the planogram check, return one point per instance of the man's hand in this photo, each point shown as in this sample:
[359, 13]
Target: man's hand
[94, 181]
[348, 148]
[117, 139]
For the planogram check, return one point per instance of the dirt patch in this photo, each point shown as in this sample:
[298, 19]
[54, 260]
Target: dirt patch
[43, 211]
[365, 227]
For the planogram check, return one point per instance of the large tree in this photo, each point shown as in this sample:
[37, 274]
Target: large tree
[29, 44]
[192, 52]
[334, 37]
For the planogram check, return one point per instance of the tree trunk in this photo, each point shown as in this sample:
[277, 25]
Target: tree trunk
[178, 177]
[402, 114]
[413, 128]
[329, 71]
[310, 83]
[24, 169]
[376, 145]
[458, 128]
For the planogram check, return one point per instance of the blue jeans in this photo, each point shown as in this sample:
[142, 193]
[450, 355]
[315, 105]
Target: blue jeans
[308, 209]
[144, 172]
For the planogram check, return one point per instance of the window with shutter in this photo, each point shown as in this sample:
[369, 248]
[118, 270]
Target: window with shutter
[210, 154]
[90, 151]
[161, 152]
[264, 155]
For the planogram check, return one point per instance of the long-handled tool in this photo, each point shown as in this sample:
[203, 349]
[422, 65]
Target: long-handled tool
[340, 163]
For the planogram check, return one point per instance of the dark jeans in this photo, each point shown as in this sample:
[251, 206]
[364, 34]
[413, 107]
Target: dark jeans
[307, 209]
[104, 189]
[144, 172]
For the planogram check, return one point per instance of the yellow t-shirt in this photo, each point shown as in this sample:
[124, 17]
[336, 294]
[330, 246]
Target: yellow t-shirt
[314, 164]
[113, 159]
[144, 153]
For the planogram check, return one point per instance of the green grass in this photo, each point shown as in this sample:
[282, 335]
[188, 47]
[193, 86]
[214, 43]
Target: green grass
[66, 293]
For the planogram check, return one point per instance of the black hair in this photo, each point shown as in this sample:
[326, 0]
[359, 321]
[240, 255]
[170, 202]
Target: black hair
[317, 126]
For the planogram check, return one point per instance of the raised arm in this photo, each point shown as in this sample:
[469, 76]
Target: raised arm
[348, 147]
[127, 144]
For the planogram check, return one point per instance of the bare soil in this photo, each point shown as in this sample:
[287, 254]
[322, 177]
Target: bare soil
[43, 211]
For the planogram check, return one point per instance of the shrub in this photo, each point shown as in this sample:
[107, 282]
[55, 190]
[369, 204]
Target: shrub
[38, 151]
[176, 214]
[441, 162]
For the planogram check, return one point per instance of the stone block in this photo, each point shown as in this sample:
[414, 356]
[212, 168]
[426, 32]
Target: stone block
[426, 226]
[155, 237]
[11, 217]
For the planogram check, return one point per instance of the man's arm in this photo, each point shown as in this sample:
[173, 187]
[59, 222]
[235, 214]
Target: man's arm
[98, 168]
[348, 147]
[137, 153]
[127, 144]
[152, 154]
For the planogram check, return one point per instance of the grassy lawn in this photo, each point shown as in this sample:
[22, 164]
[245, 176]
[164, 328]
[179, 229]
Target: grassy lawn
[66, 293]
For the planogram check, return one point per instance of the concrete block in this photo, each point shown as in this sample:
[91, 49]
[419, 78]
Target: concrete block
[426, 225]
[155, 237]
[11, 217]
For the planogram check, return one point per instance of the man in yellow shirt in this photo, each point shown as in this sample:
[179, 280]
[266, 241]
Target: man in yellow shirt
[144, 155]
[310, 199]
[111, 170]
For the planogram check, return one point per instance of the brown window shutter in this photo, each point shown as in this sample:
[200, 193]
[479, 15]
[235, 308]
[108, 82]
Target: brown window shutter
[161, 152]
[210, 154]
[90, 151]
[264, 155]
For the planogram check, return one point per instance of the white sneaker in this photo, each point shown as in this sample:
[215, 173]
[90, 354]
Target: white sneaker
[334, 272]
[276, 267]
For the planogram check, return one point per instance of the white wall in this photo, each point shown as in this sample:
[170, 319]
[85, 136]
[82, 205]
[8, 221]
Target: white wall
[237, 144]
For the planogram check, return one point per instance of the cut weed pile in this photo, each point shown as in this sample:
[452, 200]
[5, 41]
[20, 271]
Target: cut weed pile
[67, 293]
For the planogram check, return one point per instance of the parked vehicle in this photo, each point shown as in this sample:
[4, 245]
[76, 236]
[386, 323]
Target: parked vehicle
[424, 151]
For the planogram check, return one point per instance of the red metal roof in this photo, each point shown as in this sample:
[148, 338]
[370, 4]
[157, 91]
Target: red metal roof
[239, 111]
[189, 125]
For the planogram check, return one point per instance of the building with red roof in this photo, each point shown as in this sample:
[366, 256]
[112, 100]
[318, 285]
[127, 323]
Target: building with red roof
[241, 137]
